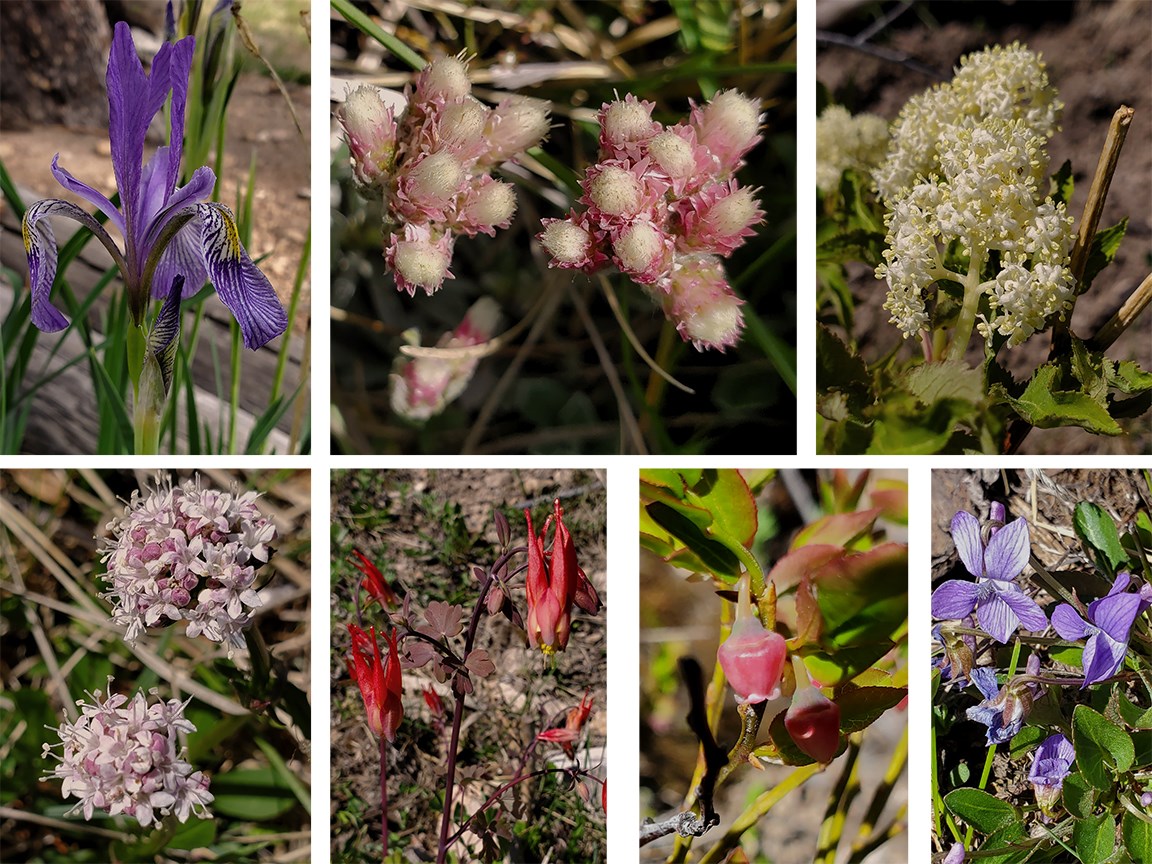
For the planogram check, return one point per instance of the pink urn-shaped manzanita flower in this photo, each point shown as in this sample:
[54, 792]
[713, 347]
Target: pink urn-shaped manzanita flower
[752, 657]
[813, 720]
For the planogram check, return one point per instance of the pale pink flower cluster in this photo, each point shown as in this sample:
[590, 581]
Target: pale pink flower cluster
[423, 386]
[184, 553]
[662, 205]
[432, 166]
[122, 756]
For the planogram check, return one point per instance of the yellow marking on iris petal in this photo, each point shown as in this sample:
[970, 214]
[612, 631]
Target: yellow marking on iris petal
[27, 236]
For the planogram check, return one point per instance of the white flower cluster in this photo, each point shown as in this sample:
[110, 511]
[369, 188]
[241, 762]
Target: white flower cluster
[845, 141]
[967, 163]
[123, 756]
[188, 554]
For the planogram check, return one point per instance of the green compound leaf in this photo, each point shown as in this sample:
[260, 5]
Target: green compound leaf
[1094, 838]
[986, 813]
[1103, 749]
[1137, 834]
[1098, 533]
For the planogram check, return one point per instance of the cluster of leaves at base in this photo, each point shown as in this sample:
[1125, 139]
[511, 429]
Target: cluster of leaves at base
[945, 406]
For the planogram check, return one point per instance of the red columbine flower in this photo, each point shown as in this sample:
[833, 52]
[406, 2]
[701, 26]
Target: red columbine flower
[551, 584]
[375, 583]
[379, 682]
[567, 734]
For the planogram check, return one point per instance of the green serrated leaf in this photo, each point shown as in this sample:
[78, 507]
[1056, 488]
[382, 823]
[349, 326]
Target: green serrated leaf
[986, 813]
[1127, 377]
[1045, 406]
[951, 379]
[1062, 183]
[1098, 533]
[1102, 747]
[1094, 838]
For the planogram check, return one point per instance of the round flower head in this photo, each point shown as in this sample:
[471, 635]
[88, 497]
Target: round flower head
[700, 301]
[488, 205]
[460, 127]
[517, 124]
[614, 191]
[570, 243]
[643, 252]
[419, 259]
[123, 756]
[624, 124]
[444, 79]
[718, 218]
[728, 126]
[370, 131]
[673, 153]
[844, 142]
[427, 188]
[184, 553]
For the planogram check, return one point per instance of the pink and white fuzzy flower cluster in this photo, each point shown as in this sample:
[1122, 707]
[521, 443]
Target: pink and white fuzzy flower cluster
[422, 387]
[184, 553]
[123, 756]
[433, 164]
[662, 205]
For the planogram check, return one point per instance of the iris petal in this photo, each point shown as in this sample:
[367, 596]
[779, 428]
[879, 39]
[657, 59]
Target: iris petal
[242, 287]
[92, 196]
[183, 256]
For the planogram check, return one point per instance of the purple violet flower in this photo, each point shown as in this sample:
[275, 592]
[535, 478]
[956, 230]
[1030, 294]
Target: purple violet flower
[955, 854]
[1004, 709]
[1107, 629]
[1051, 763]
[175, 239]
[1001, 605]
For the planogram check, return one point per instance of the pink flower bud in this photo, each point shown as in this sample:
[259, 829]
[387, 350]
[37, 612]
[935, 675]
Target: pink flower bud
[625, 122]
[673, 154]
[643, 252]
[489, 205]
[752, 657]
[422, 387]
[700, 302]
[571, 245]
[444, 79]
[434, 180]
[460, 127]
[419, 260]
[718, 218]
[614, 191]
[728, 126]
[370, 130]
[813, 720]
[515, 125]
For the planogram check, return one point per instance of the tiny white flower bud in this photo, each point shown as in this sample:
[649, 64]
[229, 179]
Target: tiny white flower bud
[422, 264]
[436, 178]
[566, 242]
[446, 78]
[637, 247]
[672, 153]
[626, 120]
[615, 191]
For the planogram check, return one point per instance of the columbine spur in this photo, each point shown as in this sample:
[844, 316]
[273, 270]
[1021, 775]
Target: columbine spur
[175, 239]
[184, 553]
[123, 756]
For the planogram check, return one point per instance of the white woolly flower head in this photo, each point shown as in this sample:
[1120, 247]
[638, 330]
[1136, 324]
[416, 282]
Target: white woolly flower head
[123, 756]
[187, 553]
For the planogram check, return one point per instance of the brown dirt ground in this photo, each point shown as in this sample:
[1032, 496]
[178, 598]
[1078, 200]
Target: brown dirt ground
[1099, 56]
[387, 515]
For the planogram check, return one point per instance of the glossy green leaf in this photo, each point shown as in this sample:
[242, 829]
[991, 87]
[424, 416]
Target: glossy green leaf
[1098, 532]
[1009, 845]
[860, 707]
[1104, 247]
[864, 597]
[833, 668]
[986, 813]
[712, 555]
[1137, 834]
[724, 494]
[838, 529]
[194, 834]
[1102, 747]
[1078, 795]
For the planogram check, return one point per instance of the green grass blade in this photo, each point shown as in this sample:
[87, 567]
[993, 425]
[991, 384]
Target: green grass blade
[373, 31]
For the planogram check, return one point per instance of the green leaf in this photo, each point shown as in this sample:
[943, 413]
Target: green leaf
[256, 794]
[986, 813]
[276, 761]
[1098, 532]
[1062, 183]
[951, 379]
[1024, 740]
[1094, 838]
[1001, 848]
[909, 429]
[1103, 749]
[1078, 795]
[712, 555]
[1069, 655]
[1104, 247]
[838, 529]
[725, 495]
[860, 707]
[1127, 377]
[1133, 714]
[1045, 406]
[195, 834]
[1137, 835]
[832, 668]
[864, 597]
[842, 379]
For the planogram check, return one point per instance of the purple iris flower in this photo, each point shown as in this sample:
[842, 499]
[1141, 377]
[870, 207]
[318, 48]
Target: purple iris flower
[1051, 763]
[1001, 605]
[1107, 629]
[168, 232]
[1004, 709]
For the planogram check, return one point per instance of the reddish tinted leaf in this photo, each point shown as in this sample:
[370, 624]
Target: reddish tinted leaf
[444, 619]
[790, 569]
[478, 663]
[839, 529]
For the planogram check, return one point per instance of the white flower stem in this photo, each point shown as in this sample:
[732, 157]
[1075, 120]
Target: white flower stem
[967, 319]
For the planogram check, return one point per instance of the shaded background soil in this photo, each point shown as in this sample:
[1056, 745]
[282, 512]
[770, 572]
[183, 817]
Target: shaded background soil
[424, 529]
[1099, 57]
